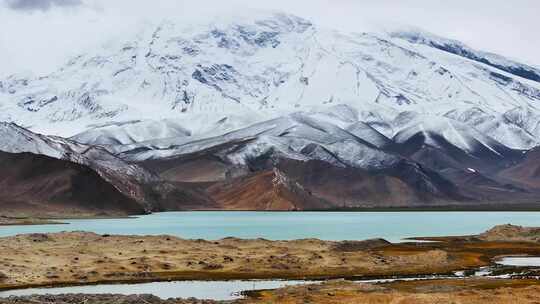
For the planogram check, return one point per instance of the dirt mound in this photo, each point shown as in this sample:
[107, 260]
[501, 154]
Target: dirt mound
[511, 233]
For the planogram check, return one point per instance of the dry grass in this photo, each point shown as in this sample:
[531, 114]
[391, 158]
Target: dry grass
[421, 292]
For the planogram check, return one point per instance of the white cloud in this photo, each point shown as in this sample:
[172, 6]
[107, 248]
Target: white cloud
[32, 5]
[41, 40]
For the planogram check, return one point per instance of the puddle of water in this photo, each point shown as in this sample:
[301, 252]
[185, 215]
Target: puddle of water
[483, 271]
[211, 290]
[520, 261]
[459, 274]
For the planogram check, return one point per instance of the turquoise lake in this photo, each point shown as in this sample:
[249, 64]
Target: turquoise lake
[393, 226]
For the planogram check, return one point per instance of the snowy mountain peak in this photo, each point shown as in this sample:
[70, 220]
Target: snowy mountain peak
[192, 82]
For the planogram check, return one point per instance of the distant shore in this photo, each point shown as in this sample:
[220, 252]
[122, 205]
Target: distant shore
[52, 220]
[31, 219]
[20, 221]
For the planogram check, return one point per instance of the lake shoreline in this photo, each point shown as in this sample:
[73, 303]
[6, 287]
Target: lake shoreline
[9, 220]
[215, 225]
[27, 221]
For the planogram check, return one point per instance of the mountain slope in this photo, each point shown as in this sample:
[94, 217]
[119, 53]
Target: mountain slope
[403, 184]
[460, 49]
[296, 136]
[442, 143]
[266, 190]
[132, 132]
[40, 185]
[127, 178]
[526, 172]
[296, 162]
[132, 180]
[316, 177]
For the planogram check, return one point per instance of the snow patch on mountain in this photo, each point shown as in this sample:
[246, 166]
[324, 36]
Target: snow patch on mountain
[132, 132]
[458, 134]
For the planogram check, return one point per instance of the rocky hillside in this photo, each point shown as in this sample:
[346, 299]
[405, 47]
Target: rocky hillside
[39, 185]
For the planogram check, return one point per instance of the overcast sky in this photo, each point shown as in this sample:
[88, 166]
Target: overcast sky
[39, 35]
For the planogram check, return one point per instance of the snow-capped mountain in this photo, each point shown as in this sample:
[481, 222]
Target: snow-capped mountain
[181, 114]
[218, 77]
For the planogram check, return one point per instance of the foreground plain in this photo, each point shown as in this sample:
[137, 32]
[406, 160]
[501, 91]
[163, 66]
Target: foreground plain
[74, 258]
